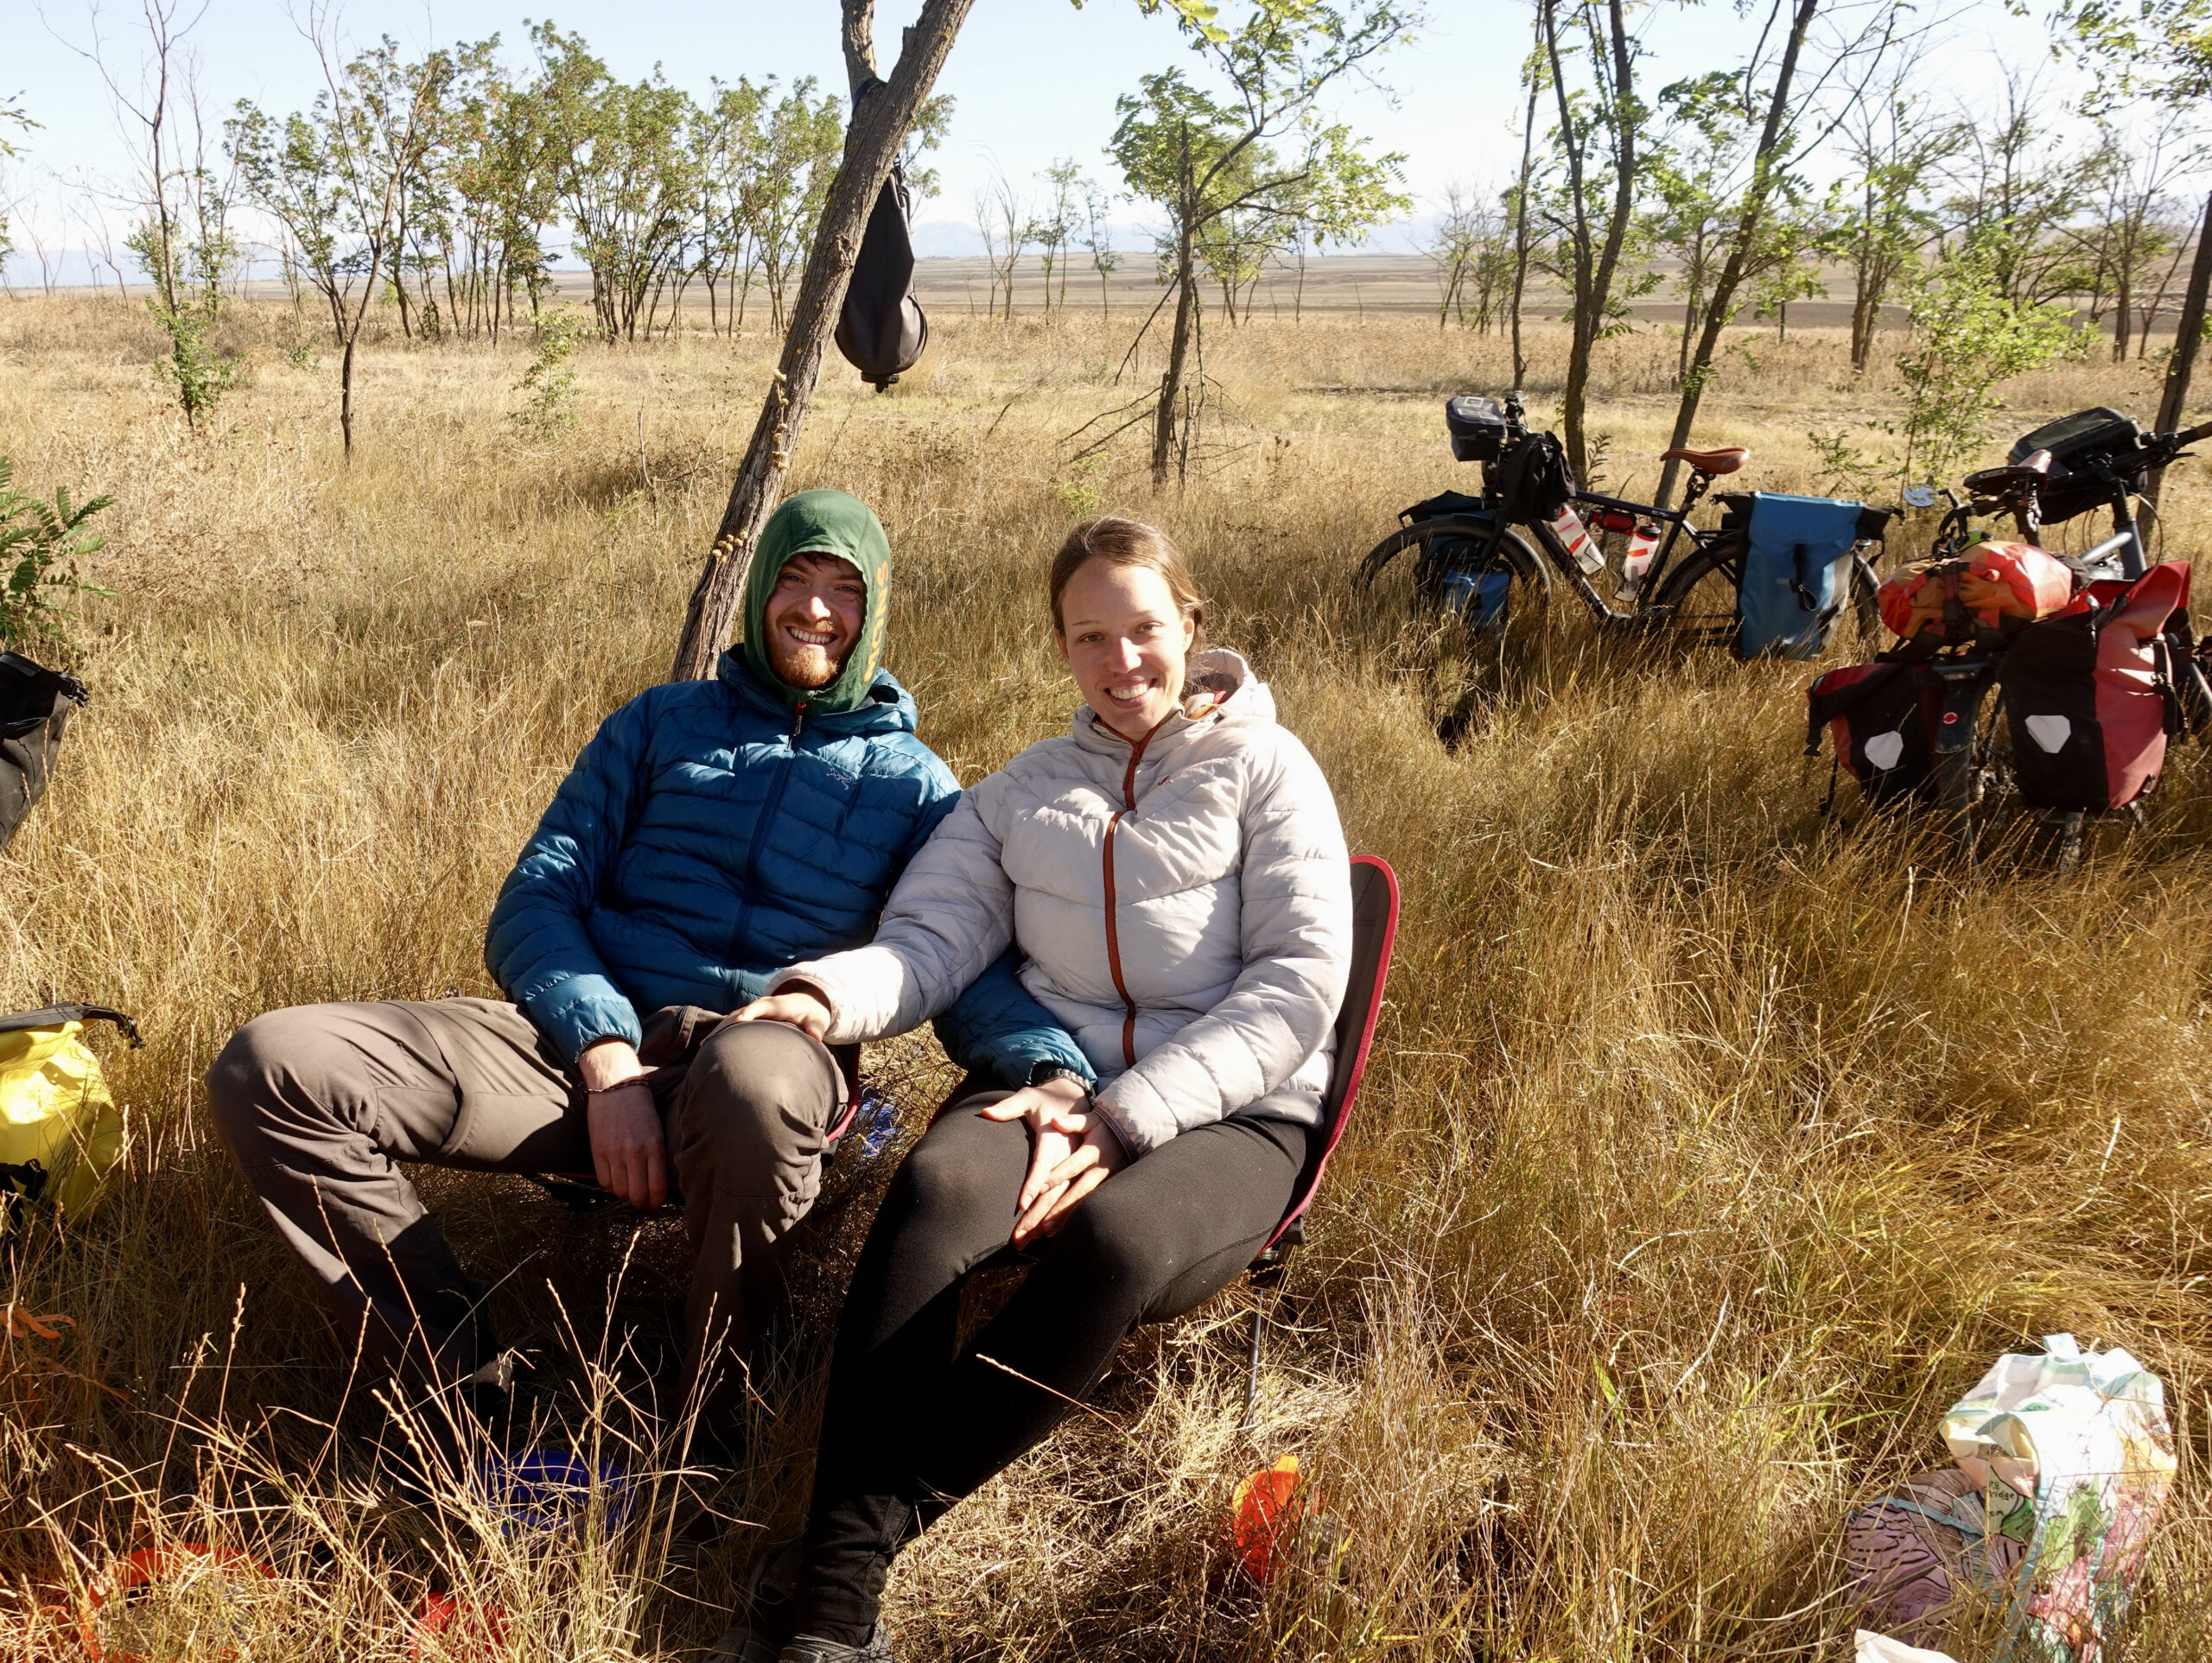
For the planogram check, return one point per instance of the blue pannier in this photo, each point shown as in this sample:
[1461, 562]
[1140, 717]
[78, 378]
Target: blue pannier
[1787, 596]
[1468, 578]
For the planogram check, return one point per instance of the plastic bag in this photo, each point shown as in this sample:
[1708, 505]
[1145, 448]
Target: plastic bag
[2075, 1457]
[60, 1134]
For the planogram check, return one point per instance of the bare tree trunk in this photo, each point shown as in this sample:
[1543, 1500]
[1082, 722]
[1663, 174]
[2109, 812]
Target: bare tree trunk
[1520, 223]
[1764, 170]
[879, 125]
[1179, 354]
[2188, 336]
[346, 392]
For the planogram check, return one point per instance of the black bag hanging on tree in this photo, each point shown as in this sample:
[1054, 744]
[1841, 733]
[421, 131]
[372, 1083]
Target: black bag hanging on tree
[882, 330]
[34, 706]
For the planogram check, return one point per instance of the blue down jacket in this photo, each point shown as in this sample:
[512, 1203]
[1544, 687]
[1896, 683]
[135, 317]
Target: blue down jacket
[706, 837]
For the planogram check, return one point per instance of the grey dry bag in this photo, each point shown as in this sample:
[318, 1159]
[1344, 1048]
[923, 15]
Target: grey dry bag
[882, 330]
[34, 706]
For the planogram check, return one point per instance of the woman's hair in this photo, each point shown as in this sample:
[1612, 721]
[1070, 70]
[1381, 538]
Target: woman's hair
[1123, 542]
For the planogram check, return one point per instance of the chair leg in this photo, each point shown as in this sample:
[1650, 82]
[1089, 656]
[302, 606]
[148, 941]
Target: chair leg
[1252, 1378]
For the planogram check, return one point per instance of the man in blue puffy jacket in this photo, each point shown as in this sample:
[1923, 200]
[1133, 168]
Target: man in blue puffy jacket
[711, 833]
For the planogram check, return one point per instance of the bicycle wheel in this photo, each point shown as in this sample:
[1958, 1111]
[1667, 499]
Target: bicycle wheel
[1696, 603]
[1428, 553]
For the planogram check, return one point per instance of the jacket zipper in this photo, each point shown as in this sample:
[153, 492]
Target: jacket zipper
[768, 809]
[1113, 932]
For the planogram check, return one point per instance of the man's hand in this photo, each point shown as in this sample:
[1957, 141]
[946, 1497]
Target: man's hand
[796, 1005]
[1058, 1117]
[627, 1153]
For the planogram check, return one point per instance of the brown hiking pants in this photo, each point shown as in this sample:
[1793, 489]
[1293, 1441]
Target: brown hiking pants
[318, 1104]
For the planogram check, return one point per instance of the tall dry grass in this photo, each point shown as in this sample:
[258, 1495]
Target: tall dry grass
[1709, 1152]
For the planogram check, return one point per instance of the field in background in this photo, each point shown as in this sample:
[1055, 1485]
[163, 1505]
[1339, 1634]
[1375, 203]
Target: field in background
[1709, 1154]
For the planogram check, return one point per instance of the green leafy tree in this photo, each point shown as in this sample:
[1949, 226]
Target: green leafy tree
[40, 544]
[1884, 219]
[626, 174]
[1969, 336]
[1768, 222]
[730, 147]
[1098, 240]
[495, 181]
[1588, 198]
[331, 177]
[1057, 224]
[2016, 190]
[182, 239]
[1257, 149]
[805, 137]
[2160, 52]
[11, 115]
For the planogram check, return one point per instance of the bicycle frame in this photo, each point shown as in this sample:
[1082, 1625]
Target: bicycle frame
[1677, 521]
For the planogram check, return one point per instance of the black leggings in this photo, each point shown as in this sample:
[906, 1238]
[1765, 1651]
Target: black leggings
[909, 1429]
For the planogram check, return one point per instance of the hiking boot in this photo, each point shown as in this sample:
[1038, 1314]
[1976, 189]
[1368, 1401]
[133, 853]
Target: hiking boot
[812, 1648]
[766, 1615]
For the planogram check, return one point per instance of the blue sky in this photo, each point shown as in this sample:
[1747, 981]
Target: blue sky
[1035, 80]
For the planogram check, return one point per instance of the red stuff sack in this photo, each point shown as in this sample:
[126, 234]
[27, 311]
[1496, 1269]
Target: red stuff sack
[2089, 697]
[1882, 720]
[1992, 581]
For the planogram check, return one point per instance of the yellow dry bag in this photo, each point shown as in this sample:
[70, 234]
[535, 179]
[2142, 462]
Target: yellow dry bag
[58, 1132]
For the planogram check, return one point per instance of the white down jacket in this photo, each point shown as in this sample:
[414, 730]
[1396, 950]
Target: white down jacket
[1184, 905]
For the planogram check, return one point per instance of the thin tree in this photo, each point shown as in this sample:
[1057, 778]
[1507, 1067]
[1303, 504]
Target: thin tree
[2158, 52]
[1751, 238]
[1099, 240]
[883, 113]
[1056, 226]
[1002, 219]
[1591, 217]
[331, 176]
[1182, 147]
[182, 240]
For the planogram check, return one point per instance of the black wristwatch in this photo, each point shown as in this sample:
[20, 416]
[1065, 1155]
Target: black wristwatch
[1045, 1071]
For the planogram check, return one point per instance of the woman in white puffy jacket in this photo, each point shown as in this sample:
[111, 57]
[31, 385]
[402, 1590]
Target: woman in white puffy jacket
[1173, 870]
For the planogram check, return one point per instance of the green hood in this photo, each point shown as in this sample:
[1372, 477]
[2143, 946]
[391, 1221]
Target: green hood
[822, 521]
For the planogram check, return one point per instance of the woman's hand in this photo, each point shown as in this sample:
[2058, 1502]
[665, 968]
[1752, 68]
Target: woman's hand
[797, 1005]
[1097, 1157]
[628, 1155]
[1058, 1115]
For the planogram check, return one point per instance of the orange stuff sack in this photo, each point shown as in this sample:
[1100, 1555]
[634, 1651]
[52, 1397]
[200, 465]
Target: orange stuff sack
[1994, 580]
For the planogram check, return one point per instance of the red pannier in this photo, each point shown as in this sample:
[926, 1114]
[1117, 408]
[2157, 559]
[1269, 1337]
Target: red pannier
[2089, 696]
[1882, 719]
[1992, 581]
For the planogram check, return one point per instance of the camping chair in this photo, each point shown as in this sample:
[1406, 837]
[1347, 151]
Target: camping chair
[1373, 928]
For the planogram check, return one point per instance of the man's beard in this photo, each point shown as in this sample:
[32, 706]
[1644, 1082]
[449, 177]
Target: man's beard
[807, 668]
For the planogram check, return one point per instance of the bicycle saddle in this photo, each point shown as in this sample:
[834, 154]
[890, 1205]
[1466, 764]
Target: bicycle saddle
[1725, 460]
[2001, 481]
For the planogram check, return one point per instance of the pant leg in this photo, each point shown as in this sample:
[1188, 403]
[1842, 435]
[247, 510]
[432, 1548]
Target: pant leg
[1159, 1237]
[745, 1138]
[950, 1208]
[319, 1102]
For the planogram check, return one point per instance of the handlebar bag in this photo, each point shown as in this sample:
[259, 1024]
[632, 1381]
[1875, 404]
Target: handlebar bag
[60, 1134]
[1531, 481]
[34, 706]
[2090, 700]
[1882, 718]
[1787, 598]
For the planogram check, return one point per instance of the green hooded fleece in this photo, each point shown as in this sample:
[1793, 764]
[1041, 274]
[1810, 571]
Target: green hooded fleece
[821, 522]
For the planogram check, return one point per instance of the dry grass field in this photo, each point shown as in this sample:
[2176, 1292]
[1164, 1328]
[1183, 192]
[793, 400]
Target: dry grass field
[1710, 1151]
